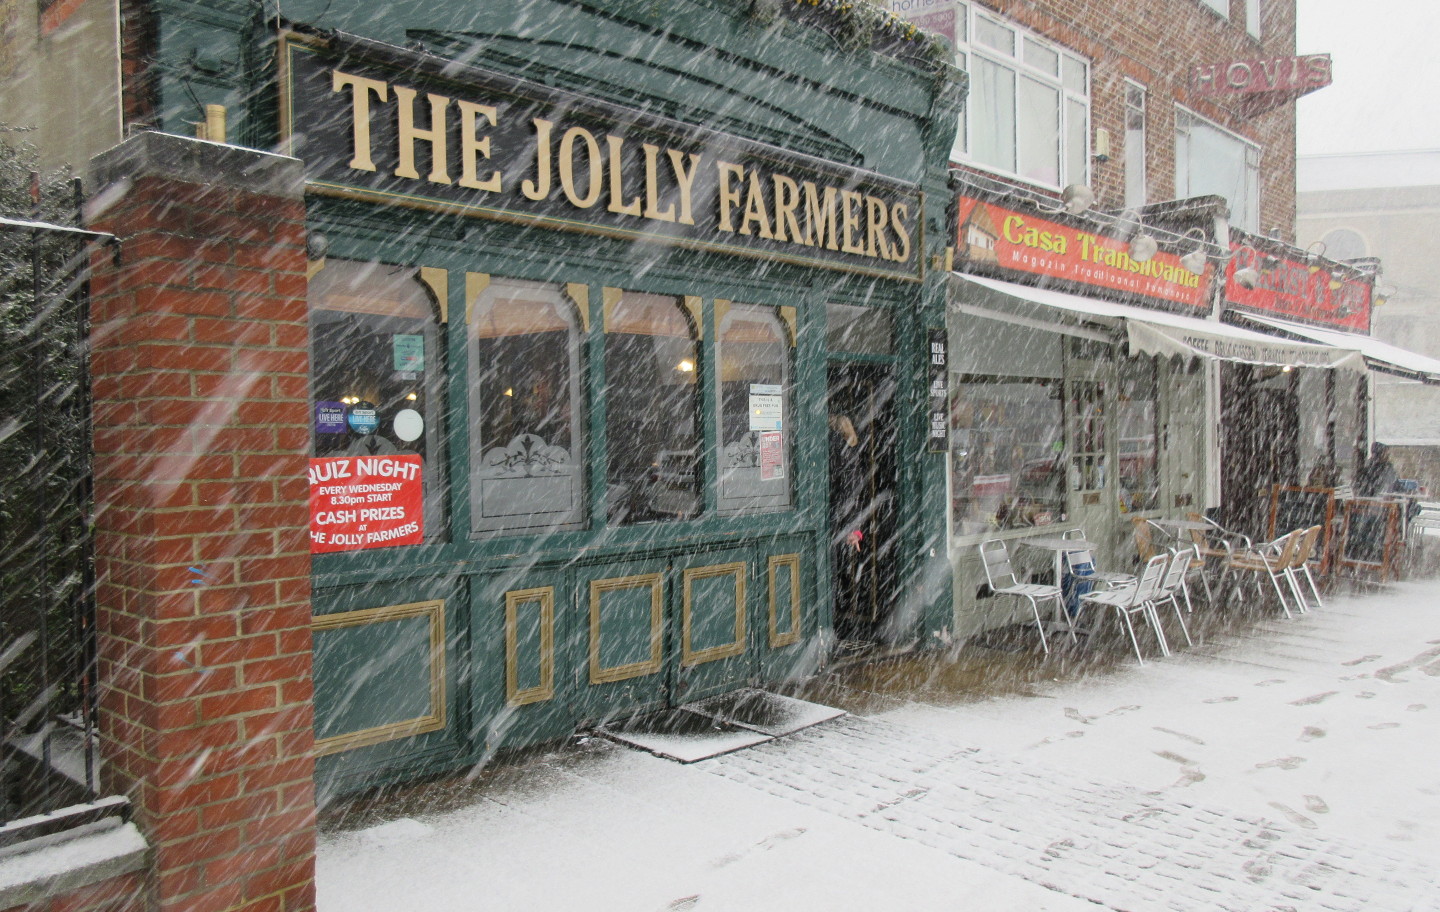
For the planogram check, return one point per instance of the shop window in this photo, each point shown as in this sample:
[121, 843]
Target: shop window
[652, 429]
[1134, 145]
[1087, 435]
[377, 375]
[1211, 160]
[1137, 423]
[526, 432]
[1029, 108]
[1006, 453]
[755, 355]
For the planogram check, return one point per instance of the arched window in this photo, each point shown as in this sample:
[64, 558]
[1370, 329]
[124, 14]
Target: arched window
[755, 408]
[376, 371]
[1344, 244]
[526, 420]
[652, 423]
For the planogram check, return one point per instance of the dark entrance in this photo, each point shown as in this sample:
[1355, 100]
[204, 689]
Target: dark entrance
[862, 499]
[1261, 428]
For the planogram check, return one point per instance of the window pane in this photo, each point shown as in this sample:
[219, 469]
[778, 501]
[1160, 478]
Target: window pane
[1077, 144]
[1252, 17]
[1039, 132]
[858, 330]
[1220, 6]
[1006, 454]
[992, 115]
[527, 458]
[1042, 57]
[962, 24]
[652, 426]
[1134, 145]
[994, 35]
[1217, 162]
[375, 370]
[1137, 422]
[755, 409]
[1073, 75]
[1087, 435]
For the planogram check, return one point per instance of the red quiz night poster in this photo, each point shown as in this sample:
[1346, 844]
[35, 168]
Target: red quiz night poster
[365, 502]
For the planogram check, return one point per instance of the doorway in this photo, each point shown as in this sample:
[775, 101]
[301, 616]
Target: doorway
[863, 441]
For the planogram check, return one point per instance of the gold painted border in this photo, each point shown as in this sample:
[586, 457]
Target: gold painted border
[545, 690]
[691, 656]
[580, 295]
[475, 285]
[773, 565]
[405, 728]
[438, 281]
[602, 675]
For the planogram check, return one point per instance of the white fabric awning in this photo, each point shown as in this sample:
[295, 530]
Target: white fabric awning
[1381, 355]
[1154, 332]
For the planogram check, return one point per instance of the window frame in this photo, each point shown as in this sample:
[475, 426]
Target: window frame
[1249, 218]
[968, 48]
[1137, 184]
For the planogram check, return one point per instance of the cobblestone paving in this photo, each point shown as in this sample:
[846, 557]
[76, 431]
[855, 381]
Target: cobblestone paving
[1120, 847]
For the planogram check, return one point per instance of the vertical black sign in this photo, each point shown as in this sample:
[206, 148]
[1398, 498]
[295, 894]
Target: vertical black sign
[939, 394]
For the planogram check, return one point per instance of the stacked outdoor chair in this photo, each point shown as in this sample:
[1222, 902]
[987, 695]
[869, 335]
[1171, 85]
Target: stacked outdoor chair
[1276, 560]
[1137, 599]
[1000, 576]
[1172, 587]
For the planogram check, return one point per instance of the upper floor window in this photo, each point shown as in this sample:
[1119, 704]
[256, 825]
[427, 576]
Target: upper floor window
[1211, 160]
[1252, 17]
[1029, 110]
[1134, 144]
[1221, 7]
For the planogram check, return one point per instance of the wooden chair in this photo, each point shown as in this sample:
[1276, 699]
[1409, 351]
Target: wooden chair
[1304, 555]
[1273, 560]
[1144, 538]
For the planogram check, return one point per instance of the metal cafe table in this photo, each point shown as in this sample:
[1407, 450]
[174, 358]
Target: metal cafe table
[1060, 546]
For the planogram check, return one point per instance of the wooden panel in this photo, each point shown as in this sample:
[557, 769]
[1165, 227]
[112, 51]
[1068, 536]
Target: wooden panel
[530, 620]
[784, 591]
[378, 659]
[701, 604]
[651, 586]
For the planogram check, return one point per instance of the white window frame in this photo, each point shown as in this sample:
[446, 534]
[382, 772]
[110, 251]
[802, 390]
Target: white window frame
[967, 49]
[1137, 185]
[1252, 18]
[1245, 216]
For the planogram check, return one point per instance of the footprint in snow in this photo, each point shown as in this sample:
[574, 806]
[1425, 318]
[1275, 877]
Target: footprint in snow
[684, 902]
[1286, 763]
[1189, 776]
[1314, 698]
[1222, 699]
[1381, 726]
[1316, 805]
[1415, 707]
[1122, 709]
[1294, 816]
[1269, 682]
[1076, 715]
[1174, 758]
[1310, 733]
[1365, 695]
[1362, 660]
[1170, 731]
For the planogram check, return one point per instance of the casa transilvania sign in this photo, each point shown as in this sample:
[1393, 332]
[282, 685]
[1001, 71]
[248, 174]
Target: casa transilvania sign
[383, 124]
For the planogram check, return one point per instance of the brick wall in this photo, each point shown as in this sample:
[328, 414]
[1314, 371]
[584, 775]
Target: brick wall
[1155, 43]
[201, 435]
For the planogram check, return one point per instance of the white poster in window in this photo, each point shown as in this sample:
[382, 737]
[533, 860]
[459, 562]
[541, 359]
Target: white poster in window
[766, 406]
[772, 456]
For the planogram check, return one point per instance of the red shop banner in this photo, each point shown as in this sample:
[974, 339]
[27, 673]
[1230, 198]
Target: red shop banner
[1293, 288]
[1009, 239]
[361, 502]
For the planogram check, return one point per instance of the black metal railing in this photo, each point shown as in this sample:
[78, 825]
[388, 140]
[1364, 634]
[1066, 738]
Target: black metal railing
[47, 580]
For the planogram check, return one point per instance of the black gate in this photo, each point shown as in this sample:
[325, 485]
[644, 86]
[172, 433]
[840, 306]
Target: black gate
[47, 619]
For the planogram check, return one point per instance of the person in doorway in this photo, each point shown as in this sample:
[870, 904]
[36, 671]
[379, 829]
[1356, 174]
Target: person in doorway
[847, 534]
[1379, 475]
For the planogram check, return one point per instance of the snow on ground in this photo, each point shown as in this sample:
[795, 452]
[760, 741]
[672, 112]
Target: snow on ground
[1291, 766]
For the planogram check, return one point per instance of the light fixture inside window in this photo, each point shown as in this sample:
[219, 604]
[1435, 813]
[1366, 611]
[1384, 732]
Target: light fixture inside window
[509, 391]
[685, 366]
[412, 397]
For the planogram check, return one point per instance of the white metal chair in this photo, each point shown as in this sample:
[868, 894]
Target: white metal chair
[1078, 561]
[1129, 601]
[1172, 586]
[1000, 576]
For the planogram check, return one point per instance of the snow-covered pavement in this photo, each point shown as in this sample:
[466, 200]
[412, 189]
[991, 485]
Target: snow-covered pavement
[1288, 767]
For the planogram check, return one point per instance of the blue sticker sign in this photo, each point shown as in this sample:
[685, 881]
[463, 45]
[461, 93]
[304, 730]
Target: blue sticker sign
[363, 419]
[329, 418]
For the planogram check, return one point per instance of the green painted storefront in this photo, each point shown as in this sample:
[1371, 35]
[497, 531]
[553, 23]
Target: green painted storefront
[631, 574]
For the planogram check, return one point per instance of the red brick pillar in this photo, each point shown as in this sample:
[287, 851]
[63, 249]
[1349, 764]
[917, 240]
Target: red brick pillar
[200, 354]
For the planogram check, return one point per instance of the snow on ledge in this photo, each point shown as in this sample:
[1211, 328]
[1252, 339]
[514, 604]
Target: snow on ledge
[88, 855]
